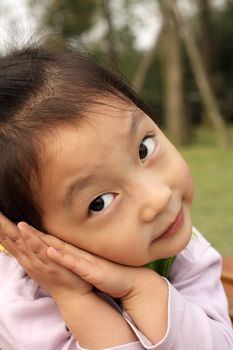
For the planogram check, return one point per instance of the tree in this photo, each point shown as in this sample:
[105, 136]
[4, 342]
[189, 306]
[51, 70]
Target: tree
[74, 19]
[145, 63]
[176, 116]
[206, 32]
[222, 64]
[68, 18]
[111, 40]
[206, 93]
[207, 50]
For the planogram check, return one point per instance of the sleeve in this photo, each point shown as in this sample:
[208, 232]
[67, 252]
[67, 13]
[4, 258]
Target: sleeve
[34, 324]
[130, 346]
[38, 325]
[29, 317]
[197, 311]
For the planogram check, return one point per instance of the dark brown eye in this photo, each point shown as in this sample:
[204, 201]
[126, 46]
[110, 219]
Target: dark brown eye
[146, 147]
[97, 204]
[100, 203]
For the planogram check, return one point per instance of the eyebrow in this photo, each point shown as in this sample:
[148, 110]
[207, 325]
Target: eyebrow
[77, 186]
[83, 182]
[137, 118]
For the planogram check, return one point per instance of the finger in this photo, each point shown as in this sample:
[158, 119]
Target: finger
[75, 251]
[64, 247]
[74, 263]
[85, 265]
[10, 236]
[26, 228]
[111, 278]
[50, 240]
[38, 243]
[55, 242]
[8, 228]
[37, 246]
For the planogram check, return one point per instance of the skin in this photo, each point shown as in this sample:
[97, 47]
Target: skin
[142, 197]
[142, 194]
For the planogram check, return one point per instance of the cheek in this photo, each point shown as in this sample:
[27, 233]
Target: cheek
[186, 183]
[122, 246]
[191, 189]
[180, 177]
[126, 257]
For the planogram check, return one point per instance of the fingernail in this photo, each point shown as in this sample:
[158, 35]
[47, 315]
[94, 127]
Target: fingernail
[53, 252]
[22, 226]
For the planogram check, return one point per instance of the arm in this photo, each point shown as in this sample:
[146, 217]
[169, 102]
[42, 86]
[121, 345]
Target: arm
[94, 323]
[197, 307]
[90, 319]
[29, 318]
[190, 314]
[197, 299]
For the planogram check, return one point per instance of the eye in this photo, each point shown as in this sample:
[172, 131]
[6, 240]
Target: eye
[100, 203]
[146, 147]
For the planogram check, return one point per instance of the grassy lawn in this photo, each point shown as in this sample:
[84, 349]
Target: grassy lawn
[212, 170]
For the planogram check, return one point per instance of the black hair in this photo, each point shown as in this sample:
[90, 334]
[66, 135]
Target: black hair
[41, 88]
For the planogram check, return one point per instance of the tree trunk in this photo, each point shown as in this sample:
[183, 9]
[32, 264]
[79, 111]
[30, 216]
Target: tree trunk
[206, 30]
[176, 118]
[201, 78]
[145, 64]
[112, 52]
[206, 46]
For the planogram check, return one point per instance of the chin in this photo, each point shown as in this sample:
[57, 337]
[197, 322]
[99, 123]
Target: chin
[175, 244]
[181, 243]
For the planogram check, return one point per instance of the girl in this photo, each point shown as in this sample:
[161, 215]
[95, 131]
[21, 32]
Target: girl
[82, 160]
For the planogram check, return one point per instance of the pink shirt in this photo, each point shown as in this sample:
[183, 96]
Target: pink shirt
[198, 310]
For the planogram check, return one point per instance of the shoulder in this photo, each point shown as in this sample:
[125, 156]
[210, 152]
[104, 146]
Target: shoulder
[27, 309]
[196, 247]
[9, 270]
[198, 256]
[15, 283]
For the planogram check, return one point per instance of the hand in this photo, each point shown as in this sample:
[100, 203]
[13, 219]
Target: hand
[30, 250]
[92, 328]
[144, 294]
[62, 269]
[114, 279]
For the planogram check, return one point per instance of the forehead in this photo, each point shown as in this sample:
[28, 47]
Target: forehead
[111, 117]
[91, 142]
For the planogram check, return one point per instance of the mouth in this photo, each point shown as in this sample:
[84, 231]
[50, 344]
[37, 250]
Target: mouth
[174, 227]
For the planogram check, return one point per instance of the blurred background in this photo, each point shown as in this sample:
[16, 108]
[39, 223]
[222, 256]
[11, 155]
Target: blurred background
[178, 55]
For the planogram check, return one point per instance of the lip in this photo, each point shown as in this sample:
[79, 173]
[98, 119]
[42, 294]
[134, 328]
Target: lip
[174, 227]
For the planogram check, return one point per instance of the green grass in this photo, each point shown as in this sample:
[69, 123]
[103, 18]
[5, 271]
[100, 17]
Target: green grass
[212, 170]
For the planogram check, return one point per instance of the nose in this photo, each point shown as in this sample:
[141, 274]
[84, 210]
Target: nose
[153, 198]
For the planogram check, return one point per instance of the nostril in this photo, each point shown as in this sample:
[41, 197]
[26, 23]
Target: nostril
[155, 203]
[148, 214]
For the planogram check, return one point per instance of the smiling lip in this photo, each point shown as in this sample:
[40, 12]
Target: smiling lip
[174, 227]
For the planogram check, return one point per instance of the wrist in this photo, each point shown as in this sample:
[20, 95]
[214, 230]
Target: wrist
[68, 295]
[91, 320]
[139, 289]
[147, 305]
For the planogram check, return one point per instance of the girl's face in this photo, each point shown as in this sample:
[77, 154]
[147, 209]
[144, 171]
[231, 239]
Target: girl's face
[115, 186]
